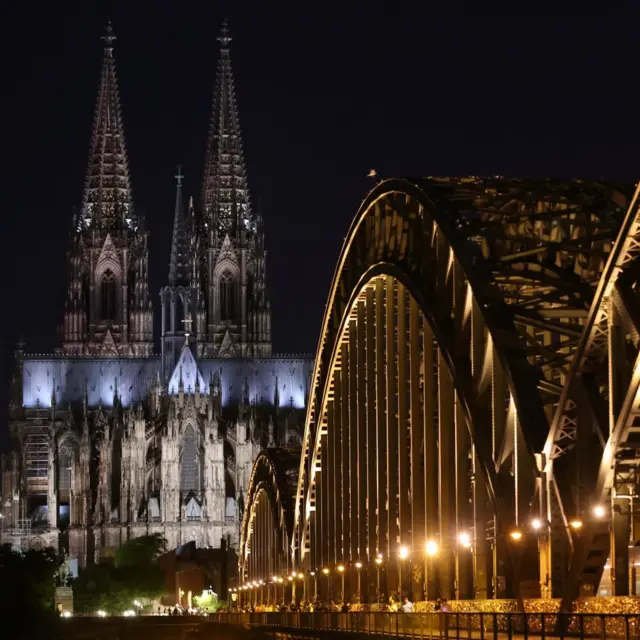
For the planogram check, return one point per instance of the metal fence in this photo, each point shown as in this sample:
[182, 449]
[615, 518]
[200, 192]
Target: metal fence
[458, 626]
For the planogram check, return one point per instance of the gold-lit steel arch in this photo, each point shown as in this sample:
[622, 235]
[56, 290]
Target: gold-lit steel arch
[455, 312]
[598, 417]
[267, 522]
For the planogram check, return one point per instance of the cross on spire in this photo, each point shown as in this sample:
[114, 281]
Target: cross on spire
[179, 175]
[224, 38]
[109, 37]
[187, 328]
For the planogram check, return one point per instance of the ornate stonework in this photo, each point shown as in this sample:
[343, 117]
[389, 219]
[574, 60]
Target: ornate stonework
[112, 442]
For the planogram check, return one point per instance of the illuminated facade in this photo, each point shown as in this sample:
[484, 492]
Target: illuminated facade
[112, 441]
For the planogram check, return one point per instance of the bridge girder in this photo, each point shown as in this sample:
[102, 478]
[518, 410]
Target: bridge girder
[456, 316]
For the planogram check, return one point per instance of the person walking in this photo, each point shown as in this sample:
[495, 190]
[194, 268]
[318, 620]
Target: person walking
[407, 605]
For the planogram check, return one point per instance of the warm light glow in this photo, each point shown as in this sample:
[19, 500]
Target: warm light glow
[599, 511]
[275, 578]
[340, 568]
[66, 614]
[358, 565]
[536, 524]
[516, 535]
[325, 571]
[378, 560]
[404, 553]
[464, 539]
[102, 614]
[129, 613]
[289, 578]
[300, 575]
[313, 573]
[431, 548]
[576, 524]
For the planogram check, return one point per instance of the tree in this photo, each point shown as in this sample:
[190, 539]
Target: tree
[27, 588]
[142, 551]
[135, 575]
[207, 601]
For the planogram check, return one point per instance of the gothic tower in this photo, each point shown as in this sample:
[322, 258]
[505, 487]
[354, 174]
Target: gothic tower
[183, 307]
[108, 309]
[238, 308]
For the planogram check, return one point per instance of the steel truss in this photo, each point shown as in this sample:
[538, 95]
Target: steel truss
[460, 387]
[267, 523]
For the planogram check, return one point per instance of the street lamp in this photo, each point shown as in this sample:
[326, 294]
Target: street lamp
[326, 572]
[465, 540]
[403, 554]
[378, 561]
[431, 548]
[576, 524]
[536, 524]
[516, 535]
[358, 567]
[599, 511]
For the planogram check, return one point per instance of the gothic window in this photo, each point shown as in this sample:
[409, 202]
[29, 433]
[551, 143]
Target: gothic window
[227, 296]
[190, 466]
[108, 295]
[64, 469]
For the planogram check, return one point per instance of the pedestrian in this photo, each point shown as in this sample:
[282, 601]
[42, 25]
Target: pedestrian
[407, 605]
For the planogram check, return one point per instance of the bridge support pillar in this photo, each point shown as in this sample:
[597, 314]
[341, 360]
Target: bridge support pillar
[620, 546]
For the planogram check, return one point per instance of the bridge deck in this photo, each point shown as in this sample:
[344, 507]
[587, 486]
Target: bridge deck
[438, 626]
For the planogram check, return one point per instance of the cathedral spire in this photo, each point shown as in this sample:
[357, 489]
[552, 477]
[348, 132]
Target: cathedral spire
[225, 194]
[107, 201]
[178, 263]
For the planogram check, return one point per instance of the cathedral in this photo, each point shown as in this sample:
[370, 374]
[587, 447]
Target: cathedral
[111, 440]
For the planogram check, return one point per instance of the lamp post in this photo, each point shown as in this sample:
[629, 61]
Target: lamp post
[358, 567]
[402, 555]
[340, 568]
[315, 585]
[378, 561]
[326, 572]
[431, 551]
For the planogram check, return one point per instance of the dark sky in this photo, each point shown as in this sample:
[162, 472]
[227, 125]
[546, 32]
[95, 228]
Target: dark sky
[325, 92]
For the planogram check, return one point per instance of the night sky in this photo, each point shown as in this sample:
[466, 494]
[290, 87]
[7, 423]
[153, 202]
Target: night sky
[325, 93]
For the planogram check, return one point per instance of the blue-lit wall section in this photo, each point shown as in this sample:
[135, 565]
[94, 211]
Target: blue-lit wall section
[134, 378]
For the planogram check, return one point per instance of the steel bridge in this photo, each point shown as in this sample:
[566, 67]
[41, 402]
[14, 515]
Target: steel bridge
[473, 422]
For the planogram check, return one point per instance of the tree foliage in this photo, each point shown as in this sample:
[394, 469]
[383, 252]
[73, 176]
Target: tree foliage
[27, 587]
[113, 587]
[142, 551]
[207, 601]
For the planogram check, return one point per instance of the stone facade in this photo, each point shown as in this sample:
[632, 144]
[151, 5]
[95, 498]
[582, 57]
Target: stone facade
[111, 441]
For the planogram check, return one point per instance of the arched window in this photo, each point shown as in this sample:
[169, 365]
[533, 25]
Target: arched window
[64, 469]
[190, 466]
[227, 296]
[108, 295]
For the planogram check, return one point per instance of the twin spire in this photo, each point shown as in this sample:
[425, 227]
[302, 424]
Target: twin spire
[226, 203]
[107, 201]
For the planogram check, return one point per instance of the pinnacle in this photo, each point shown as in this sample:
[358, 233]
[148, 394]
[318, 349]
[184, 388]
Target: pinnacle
[107, 201]
[178, 267]
[224, 38]
[225, 197]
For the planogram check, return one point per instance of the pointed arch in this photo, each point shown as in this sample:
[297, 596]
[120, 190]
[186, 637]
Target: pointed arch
[189, 459]
[108, 295]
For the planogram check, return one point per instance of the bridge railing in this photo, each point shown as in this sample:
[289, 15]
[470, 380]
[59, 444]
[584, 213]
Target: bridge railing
[452, 626]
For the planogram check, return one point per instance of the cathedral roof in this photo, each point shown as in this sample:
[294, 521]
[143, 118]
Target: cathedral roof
[107, 201]
[187, 372]
[226, 201]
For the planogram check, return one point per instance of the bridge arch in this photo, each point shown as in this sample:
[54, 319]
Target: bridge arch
[454, 311]
[267, 523]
